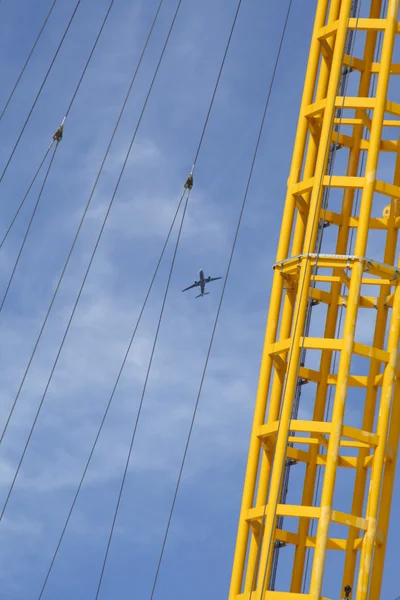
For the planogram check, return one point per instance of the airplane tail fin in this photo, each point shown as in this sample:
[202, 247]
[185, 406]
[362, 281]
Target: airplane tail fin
[205, 294]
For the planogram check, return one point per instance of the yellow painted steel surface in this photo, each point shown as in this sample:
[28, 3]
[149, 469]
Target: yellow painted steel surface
[350, 377]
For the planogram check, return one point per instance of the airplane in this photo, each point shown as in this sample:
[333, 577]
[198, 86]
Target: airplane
[201, 283]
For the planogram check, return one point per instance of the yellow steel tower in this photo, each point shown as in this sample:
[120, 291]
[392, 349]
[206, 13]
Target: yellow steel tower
[345, 446]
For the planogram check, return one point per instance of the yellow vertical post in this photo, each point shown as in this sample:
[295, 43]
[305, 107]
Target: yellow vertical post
[372, 390]
[273, 318]
[388, 384]
[387, 491]
[388, 389]
[333, 309]
[302, 273]
[353, 304]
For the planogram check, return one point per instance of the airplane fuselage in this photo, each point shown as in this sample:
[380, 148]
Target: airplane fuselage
[202, 281]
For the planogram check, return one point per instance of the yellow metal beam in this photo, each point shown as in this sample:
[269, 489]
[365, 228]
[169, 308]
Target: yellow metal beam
[343, 283]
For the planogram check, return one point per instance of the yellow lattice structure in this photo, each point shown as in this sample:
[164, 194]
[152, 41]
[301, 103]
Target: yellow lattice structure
[356, 201]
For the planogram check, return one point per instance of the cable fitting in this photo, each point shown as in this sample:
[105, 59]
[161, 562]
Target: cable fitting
[57, 137]
[189, 181]
[347, 591]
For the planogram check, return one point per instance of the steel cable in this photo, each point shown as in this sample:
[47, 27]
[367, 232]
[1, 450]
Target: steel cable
[239, 222]
[153, 349]
[152, 352]
[90, 262]
[30, 186]
[28, 228]
[217, 81]
[90, 57]
[163, 306]
[68, 109]
[14, 89]
[39, 92]
[110, 399]
[25, 196]
[81, 222]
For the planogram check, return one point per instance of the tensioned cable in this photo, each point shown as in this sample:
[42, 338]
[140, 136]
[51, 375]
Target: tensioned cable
[152, 354]
[81, 221]
[296, 323]
[27, 60]
[66, 113]
[28, 228]
[111, 397]
[261, 129]
[91, 259]
[163, 306]
[38, 200]
[327, 412]
[25, 197]
[217, 82]
[161, 315]
[142, 398]
[39, 92]
[90, 57]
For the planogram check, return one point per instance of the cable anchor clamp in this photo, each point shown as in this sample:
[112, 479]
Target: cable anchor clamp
[189, 181]
[57, 137]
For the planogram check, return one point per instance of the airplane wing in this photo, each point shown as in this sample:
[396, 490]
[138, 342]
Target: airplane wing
[195, 284]
[213, 278]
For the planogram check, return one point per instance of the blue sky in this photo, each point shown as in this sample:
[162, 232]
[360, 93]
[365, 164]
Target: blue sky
[202, 537]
